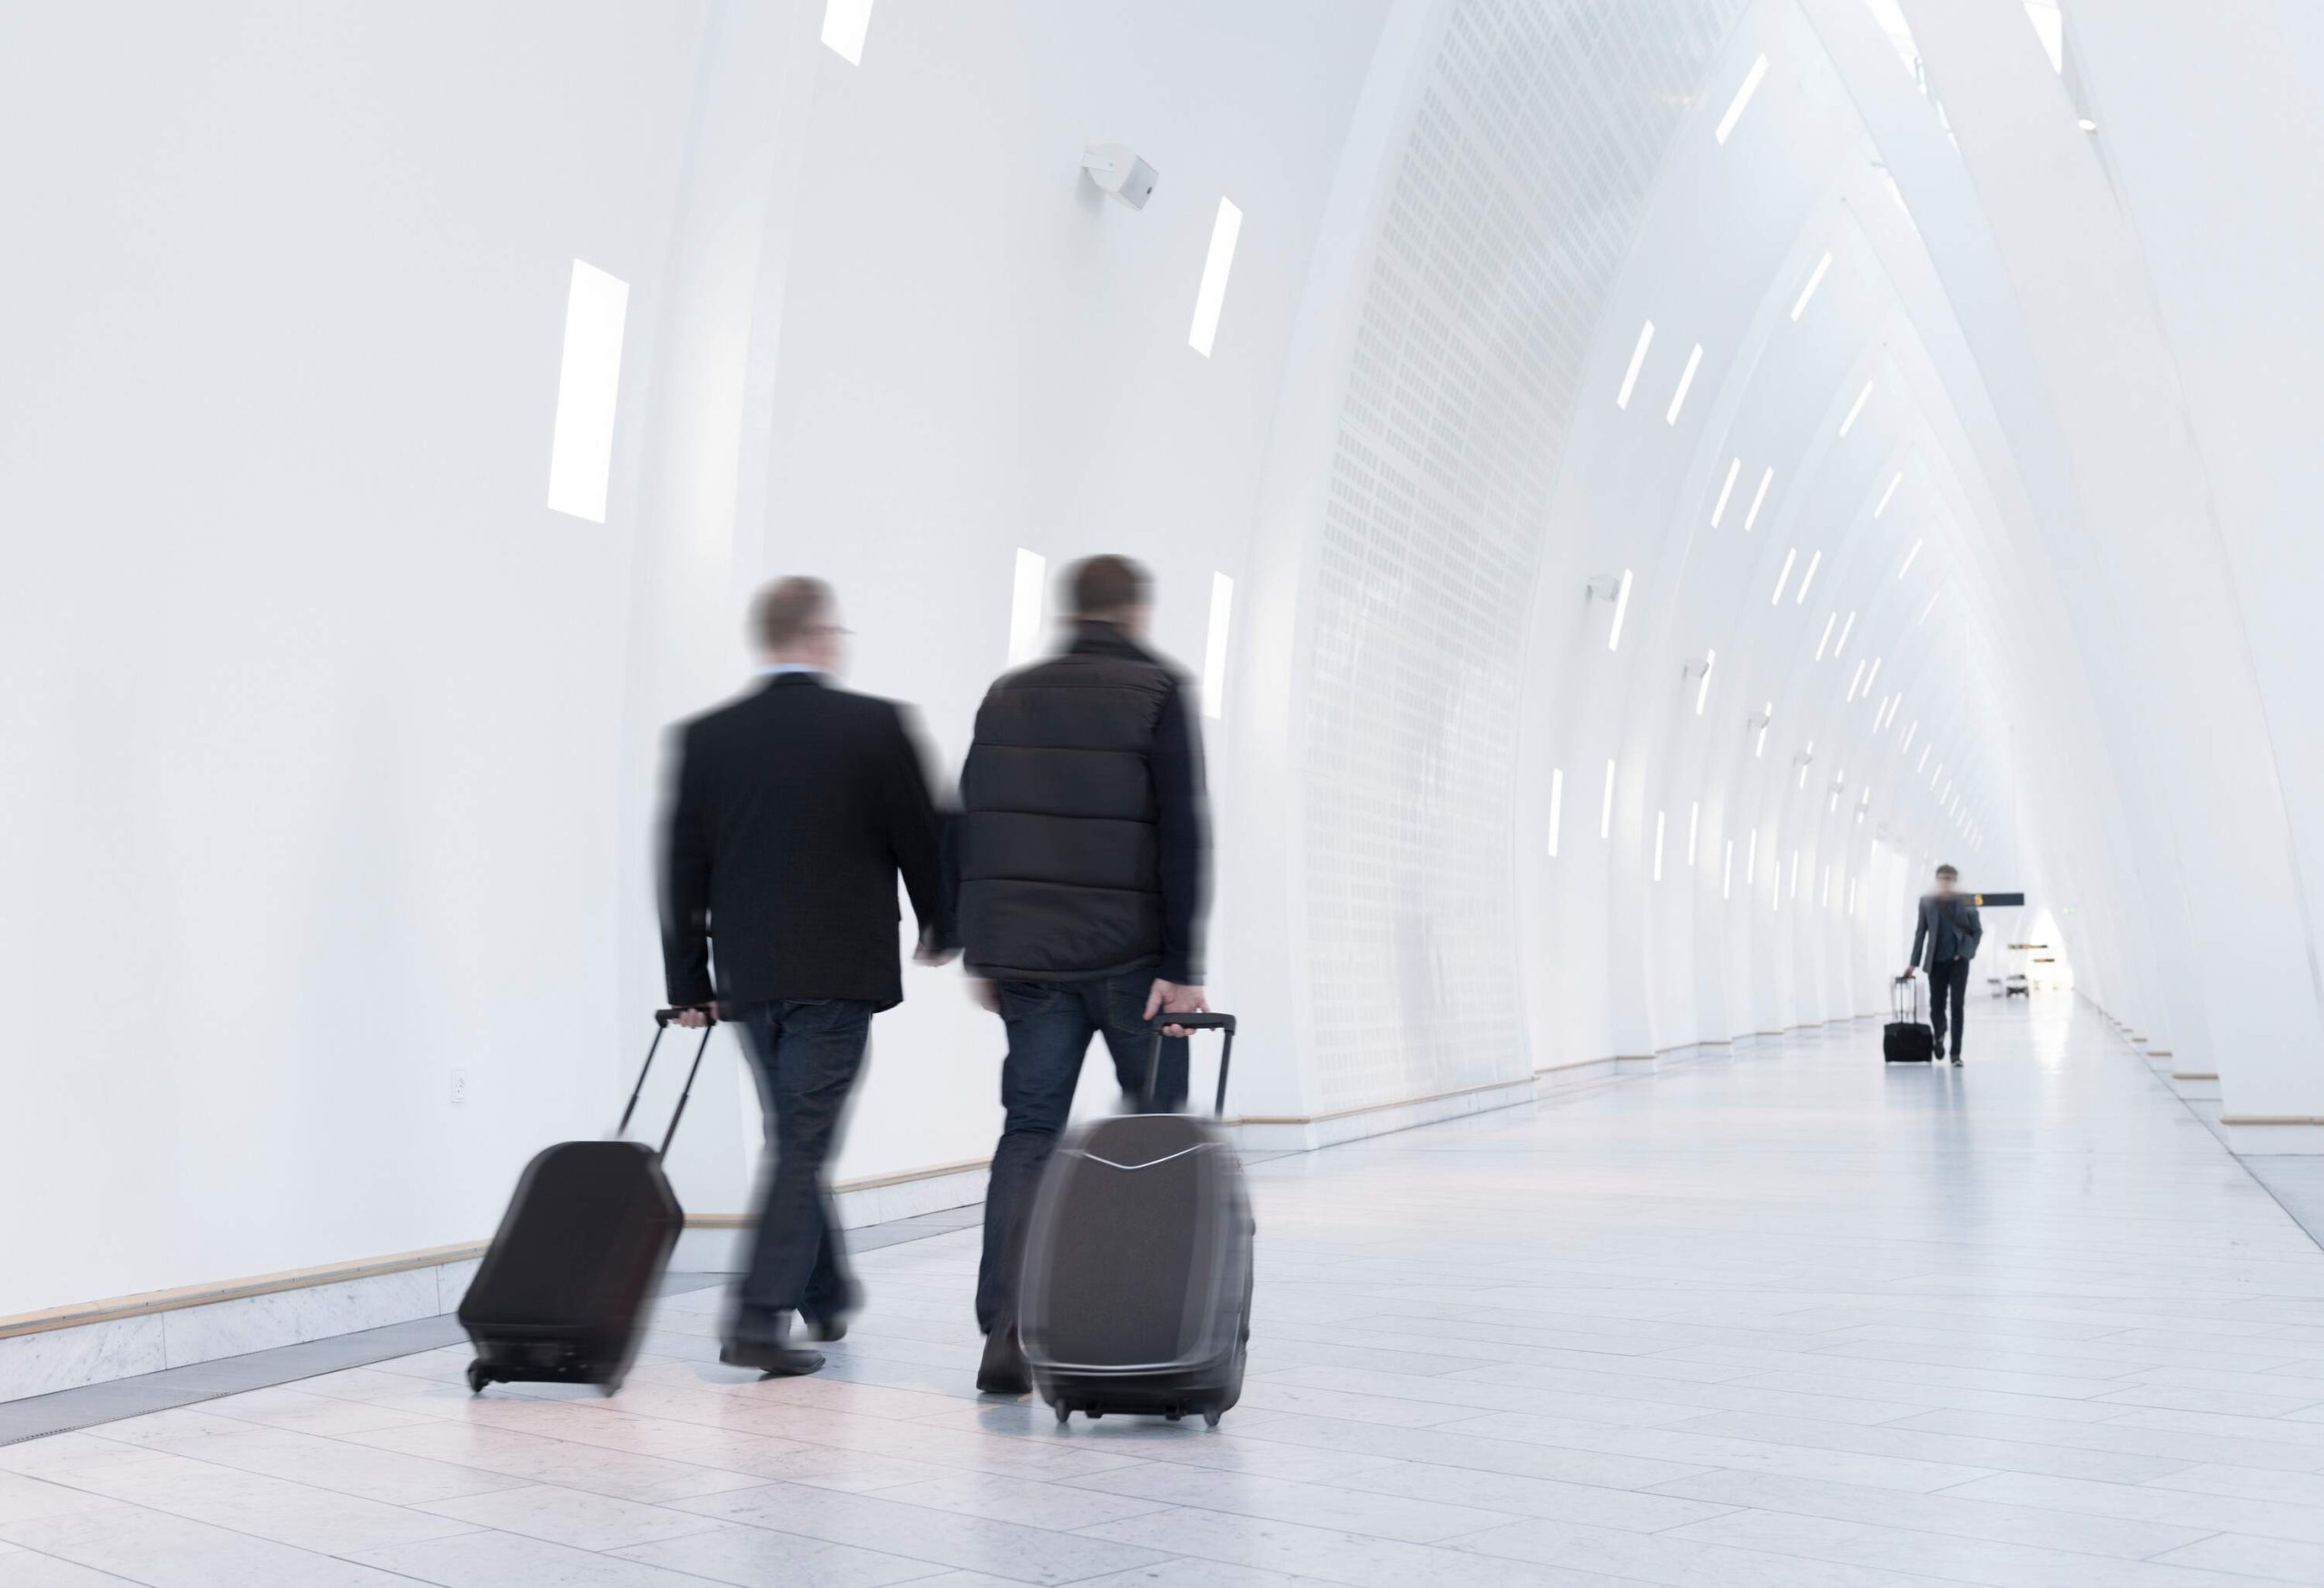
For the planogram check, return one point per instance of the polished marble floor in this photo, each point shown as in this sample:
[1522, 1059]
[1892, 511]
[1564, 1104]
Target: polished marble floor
[1782, 1319]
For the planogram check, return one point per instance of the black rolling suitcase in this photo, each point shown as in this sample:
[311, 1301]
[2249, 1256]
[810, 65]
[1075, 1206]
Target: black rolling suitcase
[577, 1255]
[1136, 1295]
[1907, 1040]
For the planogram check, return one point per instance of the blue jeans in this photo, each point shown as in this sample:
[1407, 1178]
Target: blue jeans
[805, 1054]
[1049, 1027]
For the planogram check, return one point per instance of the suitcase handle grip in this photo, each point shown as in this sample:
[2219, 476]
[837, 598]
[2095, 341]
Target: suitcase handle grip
[709, 1011]
[1222, 1023]
[662, 1018]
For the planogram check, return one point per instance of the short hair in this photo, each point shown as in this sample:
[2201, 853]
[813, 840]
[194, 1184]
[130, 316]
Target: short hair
[787, 610]
[1107, 584]
[1949, 870]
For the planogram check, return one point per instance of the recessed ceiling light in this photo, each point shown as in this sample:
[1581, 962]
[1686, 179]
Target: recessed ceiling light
[588, 381]
[1727, 872]
[1694, 821]
[1928, 607]
[1826, 640]
[1856, 682]
[1891, 491]
[1857, 408]
[1214, 651]
[1606, 810]
[2086, 124]
[1807, 578]
[1757, 497]
[845, 21]
[1800, 305]
[1658, 818]
[1685, 379]
[1702, 690]
[1638, 357]
[1725, 491]
[1621, 610]
[1784, 577]
[1557, 806]
[1025, 608]
[1211, 296]
[1742, 98]
[1847, 629]
[1907, 564]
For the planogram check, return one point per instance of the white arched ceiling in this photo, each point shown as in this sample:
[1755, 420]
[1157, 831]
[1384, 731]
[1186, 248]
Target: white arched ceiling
[311, 693]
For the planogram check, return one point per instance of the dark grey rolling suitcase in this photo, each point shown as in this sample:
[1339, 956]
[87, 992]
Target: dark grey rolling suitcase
[1137, 1290]
[1907, 1040]
[578, 1253]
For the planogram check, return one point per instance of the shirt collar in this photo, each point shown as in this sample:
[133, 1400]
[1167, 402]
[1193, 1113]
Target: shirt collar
[785, 669]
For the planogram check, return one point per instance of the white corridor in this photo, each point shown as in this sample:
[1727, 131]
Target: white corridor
[1778, 1318]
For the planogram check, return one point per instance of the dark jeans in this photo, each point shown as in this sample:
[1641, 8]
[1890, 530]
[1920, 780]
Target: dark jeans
[1948, 983]
[1049, 1027]
[806, 1054]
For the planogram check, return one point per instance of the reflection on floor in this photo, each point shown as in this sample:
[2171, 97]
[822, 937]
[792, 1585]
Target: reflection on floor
[1780, 1320]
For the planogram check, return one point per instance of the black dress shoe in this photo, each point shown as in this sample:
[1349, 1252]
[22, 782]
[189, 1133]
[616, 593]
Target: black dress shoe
[772, 1357]
[1003, 1370]
[825, 1326]
[1956, 1062]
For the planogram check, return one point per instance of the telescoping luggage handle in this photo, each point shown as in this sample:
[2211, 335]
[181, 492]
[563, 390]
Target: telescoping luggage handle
[662, 1018]
[1902, 991]
[1221, 1023]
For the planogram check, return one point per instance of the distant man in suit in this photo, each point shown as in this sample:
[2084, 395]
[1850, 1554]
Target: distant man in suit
[1947, 931]
[1081, 860]
[793, 811]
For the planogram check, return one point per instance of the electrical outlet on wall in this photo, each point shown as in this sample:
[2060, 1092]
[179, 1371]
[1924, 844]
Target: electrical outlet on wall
[459, 1085]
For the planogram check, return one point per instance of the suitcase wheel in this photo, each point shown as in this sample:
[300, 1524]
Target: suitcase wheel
[612, 1387]
[1210, 1416]
[1064, 1413]
[479, 1377]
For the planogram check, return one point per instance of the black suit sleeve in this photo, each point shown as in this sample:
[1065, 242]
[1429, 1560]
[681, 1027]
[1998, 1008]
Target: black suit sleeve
[1181, 838]
[915, 832]
[1972, 931]
[1920, 929]
[685, 881]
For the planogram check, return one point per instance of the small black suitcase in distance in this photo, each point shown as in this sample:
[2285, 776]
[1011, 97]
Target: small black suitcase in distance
[1907, 1040]
[584, 1240]
[1137, 1290]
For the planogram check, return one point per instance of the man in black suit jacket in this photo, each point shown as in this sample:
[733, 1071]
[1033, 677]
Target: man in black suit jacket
[1947, 930]
[793, 811]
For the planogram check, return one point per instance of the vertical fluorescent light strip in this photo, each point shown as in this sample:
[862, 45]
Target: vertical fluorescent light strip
[1557, 806]
[1910, 734]
[1766, 718]
[1694, 825]
[1725, 491]
[1638, 357]
[1923, 761]
[1800, 306]
[1211, 297]
[1846, 629]
[1685, 379]
[1742, 97]
[1702, 690]
[1891, 491]
[1907, 564]
[1727, 872]
[1868, 677]
[1214, 650]
[1757, 497]
[1856, 681]
[1751, 860]
[1826, 640]
[1025, 608]
[1659, 817]
[1862, 398]
[1928, 609]
[845, 21]
[1621, 610]
[588, 379]
[1794, 873]
[1784, 577]
[1606, 809]
[1827, 899]
[1807, 578]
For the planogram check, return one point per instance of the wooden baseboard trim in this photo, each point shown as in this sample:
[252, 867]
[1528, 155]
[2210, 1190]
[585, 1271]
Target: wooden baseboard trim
[2271, 1119]
[2194, 1075]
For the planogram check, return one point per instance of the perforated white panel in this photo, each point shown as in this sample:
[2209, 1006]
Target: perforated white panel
[1536, 136]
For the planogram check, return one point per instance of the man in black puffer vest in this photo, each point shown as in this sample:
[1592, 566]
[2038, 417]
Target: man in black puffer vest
[1079, 859]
